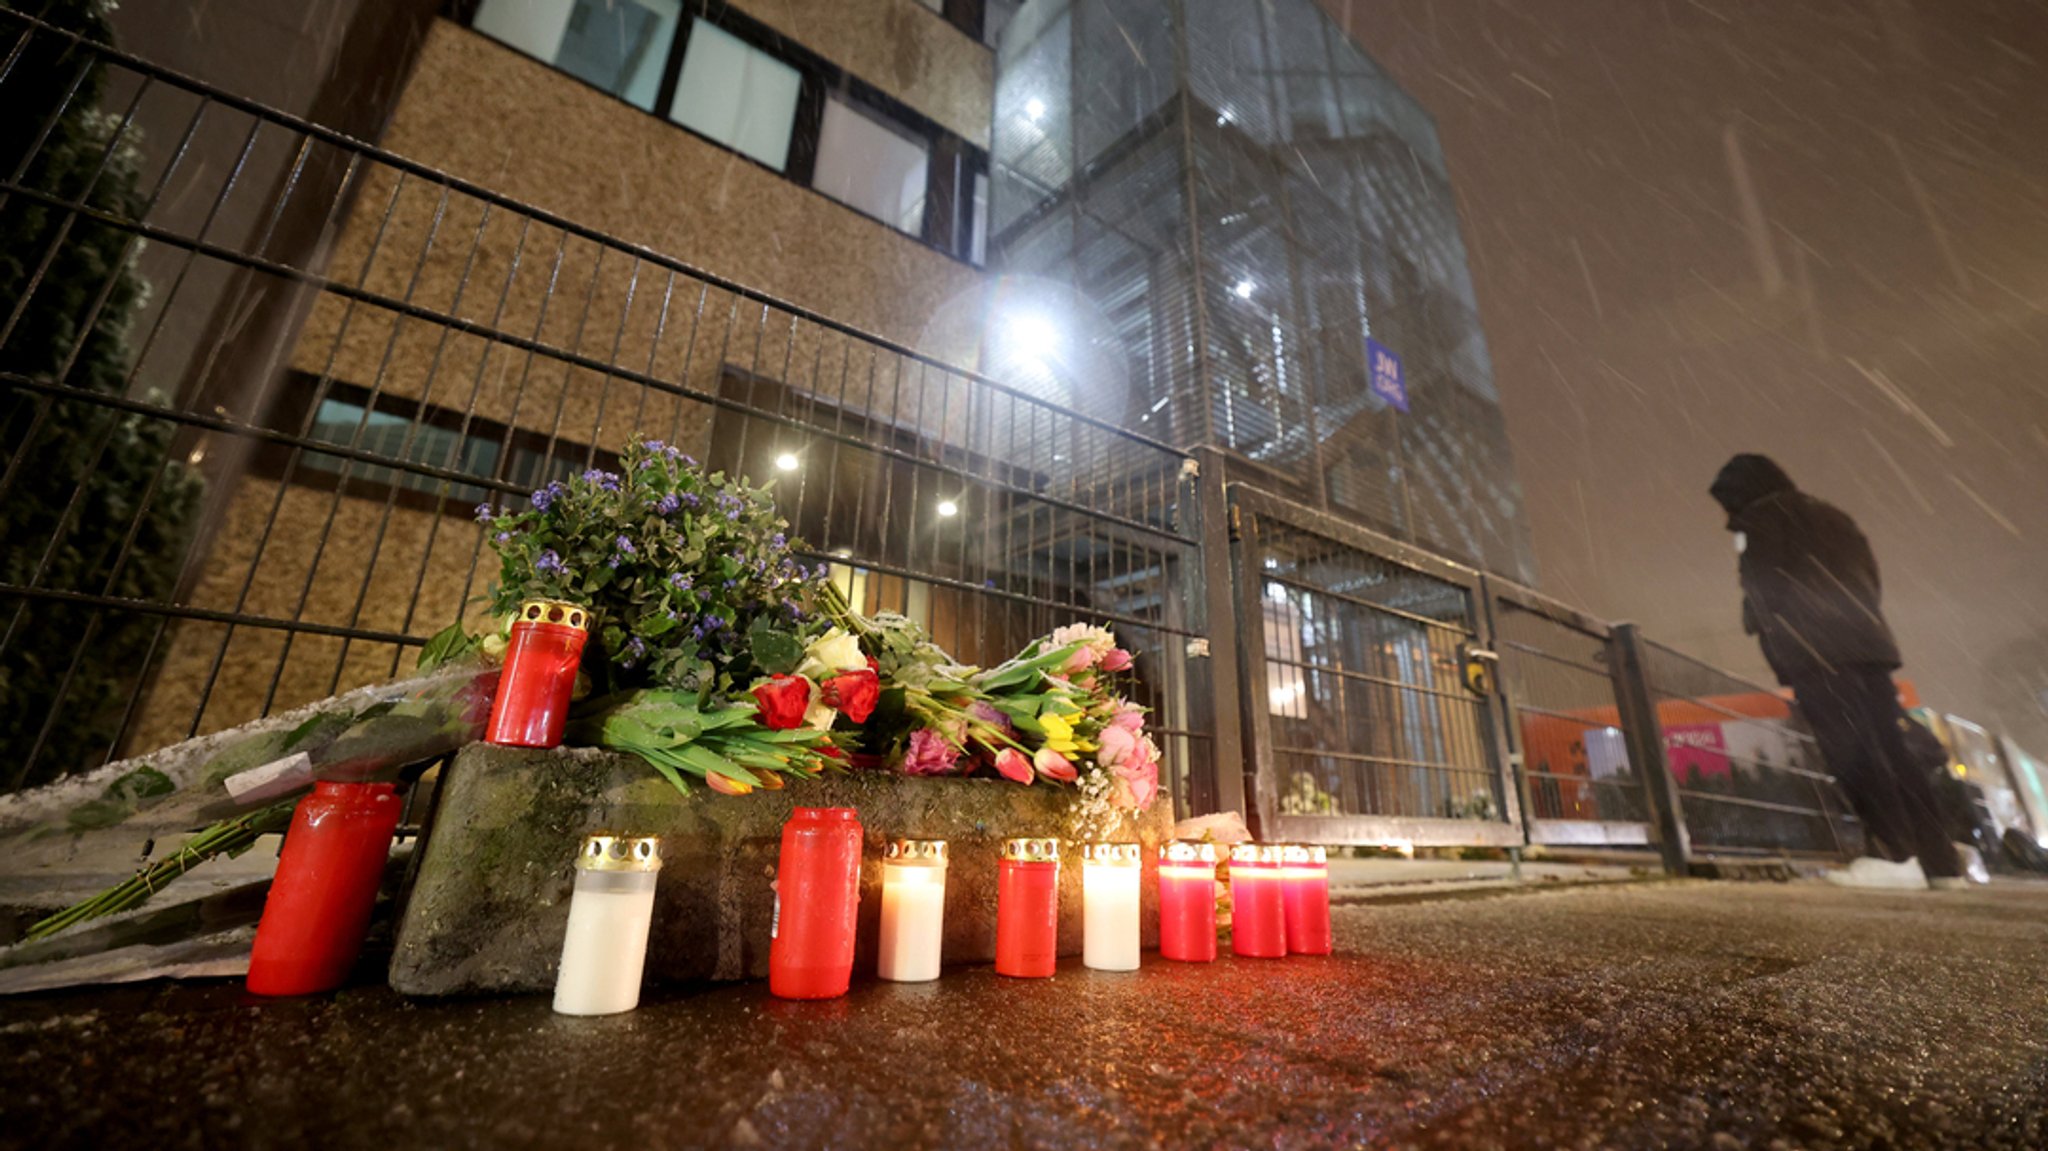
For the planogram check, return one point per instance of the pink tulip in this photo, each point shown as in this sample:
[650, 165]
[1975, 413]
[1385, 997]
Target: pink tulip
[1117, 659]
[1054, 766]
[1014, 766]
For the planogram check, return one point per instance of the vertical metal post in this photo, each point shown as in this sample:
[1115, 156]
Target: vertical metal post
[1516, 802]
[1645, 738]
[1261, 776]
[1212, 612]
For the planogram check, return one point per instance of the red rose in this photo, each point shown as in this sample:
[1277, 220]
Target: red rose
[854, 692]
[783, 699]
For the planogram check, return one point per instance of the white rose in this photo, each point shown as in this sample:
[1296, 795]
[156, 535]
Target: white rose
[834, 652]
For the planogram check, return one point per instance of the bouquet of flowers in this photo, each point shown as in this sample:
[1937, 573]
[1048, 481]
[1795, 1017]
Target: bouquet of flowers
[718, 656]
[1051, 712]
[690, 577]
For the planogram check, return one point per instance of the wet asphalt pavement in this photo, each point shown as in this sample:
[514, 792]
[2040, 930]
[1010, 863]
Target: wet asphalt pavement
[1655, 1015]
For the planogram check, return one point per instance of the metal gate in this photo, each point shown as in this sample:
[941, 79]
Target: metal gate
[1369, 704]
[1579, 785]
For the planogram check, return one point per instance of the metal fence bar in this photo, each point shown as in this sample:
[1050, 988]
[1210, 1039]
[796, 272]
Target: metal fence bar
[1645, 737]
[411, 383]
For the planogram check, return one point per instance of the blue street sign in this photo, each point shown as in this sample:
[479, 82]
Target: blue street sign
[1387, 381]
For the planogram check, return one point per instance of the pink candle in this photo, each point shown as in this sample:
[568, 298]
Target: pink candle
[1187, 902]
[1305, 886]
[1258, 913]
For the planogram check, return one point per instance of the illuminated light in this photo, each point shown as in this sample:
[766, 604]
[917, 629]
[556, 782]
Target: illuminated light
[1032, 333]
[1110, 882]
[948, 509]
[1034, 109]
[787, 462]
[1187, 902]
[1226, 116]
[913, 910]
[1244, 289]
[1258, 928]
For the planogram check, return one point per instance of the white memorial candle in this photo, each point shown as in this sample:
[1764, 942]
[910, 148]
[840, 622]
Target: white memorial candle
[610, 911]
[913, 909]
[1110, 879]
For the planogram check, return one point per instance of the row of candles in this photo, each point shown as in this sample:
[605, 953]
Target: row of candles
[1280, 898]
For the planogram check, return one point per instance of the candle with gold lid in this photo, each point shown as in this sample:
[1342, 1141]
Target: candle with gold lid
[913, 909]
[531, 706]
[1028, 908]
[1111, 877]
[1258, 913]
[1305, 890]
[605, 949]
[1187, 901]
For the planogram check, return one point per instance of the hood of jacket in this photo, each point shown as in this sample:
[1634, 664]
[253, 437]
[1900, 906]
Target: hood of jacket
[1746, 479]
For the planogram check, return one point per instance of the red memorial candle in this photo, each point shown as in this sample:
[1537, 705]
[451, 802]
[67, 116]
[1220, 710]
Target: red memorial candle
[532, 703]
[1258, 915]
[817, 899]
[1187, 902]
[1305, 889]
[1028, 908]
[319, 905]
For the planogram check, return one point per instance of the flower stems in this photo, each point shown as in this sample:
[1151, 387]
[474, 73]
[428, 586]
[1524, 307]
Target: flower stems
[229, 837]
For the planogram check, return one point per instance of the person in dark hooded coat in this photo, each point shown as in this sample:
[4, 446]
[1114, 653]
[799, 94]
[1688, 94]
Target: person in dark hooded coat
[1811, 595]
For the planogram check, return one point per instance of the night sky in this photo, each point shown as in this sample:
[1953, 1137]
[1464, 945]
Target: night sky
[1815, 230]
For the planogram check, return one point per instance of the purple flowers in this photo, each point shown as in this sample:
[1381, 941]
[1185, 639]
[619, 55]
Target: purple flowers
[548, 563]
[668, 504]
[929, 753]
[992, 716]
[625, 546]
[681, 581]
[542, 497]
[603, 479]
[636, 650]
[484, 513]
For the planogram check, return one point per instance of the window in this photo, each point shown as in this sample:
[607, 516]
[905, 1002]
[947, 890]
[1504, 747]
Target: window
[617, 45]
[737, 95]
[864, 164]
[403, 431]
[977, 242]
[739, 83]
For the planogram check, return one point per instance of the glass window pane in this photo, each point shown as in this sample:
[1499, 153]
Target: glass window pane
[736, 94]
[978, 243]
[869, 166]
[618, 45]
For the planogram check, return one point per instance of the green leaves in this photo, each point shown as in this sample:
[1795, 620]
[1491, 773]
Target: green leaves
[776, 651]
[678, 736]
[449, 644]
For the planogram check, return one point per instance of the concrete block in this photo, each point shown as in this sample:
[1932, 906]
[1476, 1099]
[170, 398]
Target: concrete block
[490, 898]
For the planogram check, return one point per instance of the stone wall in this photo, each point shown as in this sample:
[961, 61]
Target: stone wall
[490, 900]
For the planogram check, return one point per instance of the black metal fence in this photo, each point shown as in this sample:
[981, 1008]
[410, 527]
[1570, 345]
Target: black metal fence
[244, 418]
[298, 436]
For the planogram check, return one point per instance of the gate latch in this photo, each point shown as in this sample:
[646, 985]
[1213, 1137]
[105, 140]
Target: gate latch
[1478, 666]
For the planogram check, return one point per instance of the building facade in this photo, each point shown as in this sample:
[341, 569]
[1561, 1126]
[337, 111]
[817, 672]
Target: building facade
[787, 234]
[1222, 218]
